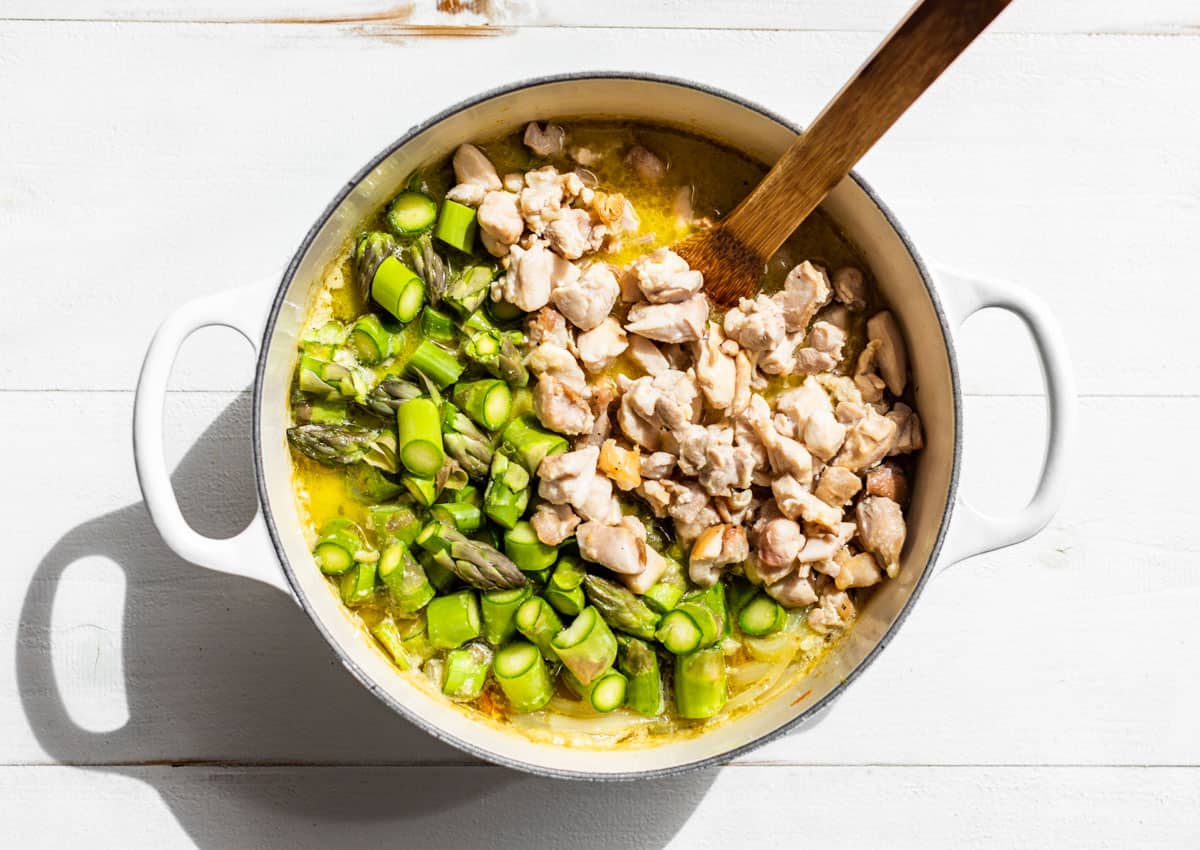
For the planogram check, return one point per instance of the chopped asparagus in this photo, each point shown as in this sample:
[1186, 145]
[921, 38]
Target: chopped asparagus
[700, 683]
[521, 544]
[370, 486]
[419, 431]
[507, 493]
[464, 516]
[411, 212]
[370, 251]
[526, 440]
[389, 395]
[372, 342]
[487, 402]
[468, 291]
[438, 364]
[398, 289]
[473, 561]
[456, 226]
[340, 546]
[466, 671]
[522, 675]
[399, 521]
[645, 693]
[678, 632]
[453, 620]
[499, 609]
[538, 622]
[564, 590]
[605, 693]
[707, 608]
[342, 445]
[587, 647]
[620, 608]
[408, 587]
[669, 589]
[388, 635]
[761, 616]
[357, 584]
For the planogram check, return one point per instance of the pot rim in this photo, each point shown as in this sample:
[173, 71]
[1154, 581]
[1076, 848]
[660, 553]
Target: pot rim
[418, 720]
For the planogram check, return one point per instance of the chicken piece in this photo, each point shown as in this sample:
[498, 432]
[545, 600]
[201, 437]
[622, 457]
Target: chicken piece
[599, 504]
[779, 541]
[500, 221]
[548, 325]
[860, 570]
[850, 287]
[744, 370]
[837, 486]
[527, 283]
[542, 198]
[800, 404]
[798, 503]
[850, 413]
[908, 429]
[756, 324]
[738, 508]
[571, 234]
[603, 395]
[811, 361]
[552, 360]
[617, 547]
[475, 176]
[717, 547]
[840, 388]
[685, 214]
[716, 371]
[679, 322]
[600, 346]
[623, 466]
[892, 356]
[820, 548]
[514, 182]
[585, 156]
[866, 376]
[646, 356]
[553, 523]
[646, 165]
[781, 360]
[664, 277]
[835, 611]
[642, 430]
[566, 478]
[881, 530]
[888, 480]
[792, 591]
[656, 496]
[828, 339]
[546, 140]
[868, 441]
[787, 457]
[589, 299]
[669, 399]
[823, 434]
[657, 465]
[805, 291]
[560, 407]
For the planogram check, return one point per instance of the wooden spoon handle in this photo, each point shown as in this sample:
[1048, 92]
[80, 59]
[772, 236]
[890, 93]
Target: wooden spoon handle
[912, 56]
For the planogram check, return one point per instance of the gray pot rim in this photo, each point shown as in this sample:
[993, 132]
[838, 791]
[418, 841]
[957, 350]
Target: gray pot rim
[260, 376]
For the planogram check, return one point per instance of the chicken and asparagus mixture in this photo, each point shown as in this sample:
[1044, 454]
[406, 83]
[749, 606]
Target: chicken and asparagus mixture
[560, 482]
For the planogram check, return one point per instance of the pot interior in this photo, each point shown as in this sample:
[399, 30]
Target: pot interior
[728, 122]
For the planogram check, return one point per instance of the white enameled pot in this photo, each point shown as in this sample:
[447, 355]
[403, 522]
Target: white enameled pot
[931, 308]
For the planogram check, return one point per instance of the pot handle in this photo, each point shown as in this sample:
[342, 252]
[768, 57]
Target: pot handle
[973, 532]
[249, 553]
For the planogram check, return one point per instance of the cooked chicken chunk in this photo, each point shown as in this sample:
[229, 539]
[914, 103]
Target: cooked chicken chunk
[589, 299]
[820, 548]
[542, 198]
[792, 591]
[646, 356]
[779, 541]
[560, 407]
[756, 324]
[867, 442]
[888, 480]
[657, 465]
[866, 376]
[500, 223]
[622, 465]
[544, 140]
[823, 434]
[715, 549]
[646, 164]
[908, 429]
[679, 322]
[837, 486]
[881, 530]
[475, 174]
[828, 339]
[850, 287]
[553, 523]
[892, 356]
[835, 611]
[599, 505]
[642, 430]
[858, 571]
[600, 346]
[551, 359]
[669, 399]
[548, 325]
[566, 478]
[805, 291]
[716, 371]
[798, 503]
[664, 277]
[527, 283]
[617, 547]
[572, 234]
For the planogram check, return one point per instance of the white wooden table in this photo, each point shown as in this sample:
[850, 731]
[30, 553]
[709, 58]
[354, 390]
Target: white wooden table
[1041, 696]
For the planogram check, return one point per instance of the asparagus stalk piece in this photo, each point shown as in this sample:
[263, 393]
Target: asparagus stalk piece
[507, 493]
[340, 546]
[398, 289]
[606, 692]
[371, 341]
[357, 584]
[620, 608]
[587, 647]
[419, 431]
[370, 486]
[645, 693]
[430, 266]
[440, 576]
[538, 622]
[424, 490]
[453, 620]
[523, 677]
[678, 632]
[467, 292]
[740, 592]
[700, 683]
[456, 226]
[321, 375]
[564, 590]
[529, 443]
[466, 671]
[496, 350]
[387, 397]
[317, 411]
[707, 608]
[499, 609]
[761, 616]
[437, 325]
[388, 635]
[342, 445]
[411, 212]
[531, 555]
[461, 515]
[475, 562]
[395, 522]
[408, 586]
[370, 251]
[465, 443]
[669, 589]
[487, 402]
[438, 364]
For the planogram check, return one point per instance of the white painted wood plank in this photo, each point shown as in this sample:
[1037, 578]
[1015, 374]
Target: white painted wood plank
[146, 164]
[919, 808]
[1168, 16]
[1066, 650]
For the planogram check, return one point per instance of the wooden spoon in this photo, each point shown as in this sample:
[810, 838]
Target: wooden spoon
[733, 254]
